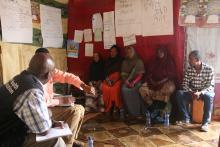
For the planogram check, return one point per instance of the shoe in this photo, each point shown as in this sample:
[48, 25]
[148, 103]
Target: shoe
[78, 144]
[183, 123]
[204, 127]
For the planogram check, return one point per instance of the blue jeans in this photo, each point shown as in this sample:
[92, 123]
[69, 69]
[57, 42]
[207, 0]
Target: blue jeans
[183, 98]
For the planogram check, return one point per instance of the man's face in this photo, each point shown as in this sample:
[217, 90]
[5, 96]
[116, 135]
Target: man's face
[193, 61]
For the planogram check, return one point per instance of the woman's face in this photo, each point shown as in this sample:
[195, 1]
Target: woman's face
[129, 53]
[113, 52]
[96, 57]
[160, 54]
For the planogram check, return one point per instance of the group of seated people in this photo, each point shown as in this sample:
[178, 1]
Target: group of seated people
[27, 104]
[125, 85]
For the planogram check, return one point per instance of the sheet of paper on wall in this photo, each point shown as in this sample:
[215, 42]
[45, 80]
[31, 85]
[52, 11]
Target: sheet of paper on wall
[157, 17]
[16, 21]
[128, 17]
[97, 35]
[109, 29]
[89, 50]
[212, 19]
[51, 26]
[129, 40]
[97, 22]
[87, 35]
[72, 49]
[190, 19]
[78, 36]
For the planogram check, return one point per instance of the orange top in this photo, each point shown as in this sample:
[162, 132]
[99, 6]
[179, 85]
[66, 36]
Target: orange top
[61, 77]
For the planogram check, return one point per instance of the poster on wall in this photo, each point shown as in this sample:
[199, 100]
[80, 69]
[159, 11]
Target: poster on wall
[16, 19]
[109, 29]
[89, 50]
[157, 17]
[72, 49]
[78, 36]
[87, 35]
[127, 17]
[51, 26]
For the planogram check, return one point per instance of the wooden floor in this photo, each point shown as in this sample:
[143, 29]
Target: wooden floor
[131, 133]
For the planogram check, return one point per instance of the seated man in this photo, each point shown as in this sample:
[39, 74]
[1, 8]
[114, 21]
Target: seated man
[72, 115]
[23, 111]
[198, 82]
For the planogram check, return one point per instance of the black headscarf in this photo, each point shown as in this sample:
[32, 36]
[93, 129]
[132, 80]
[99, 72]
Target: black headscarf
[114, 63]
[97, 70]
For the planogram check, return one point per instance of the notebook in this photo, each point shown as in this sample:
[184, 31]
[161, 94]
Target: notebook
[63, 102]
[55, 133]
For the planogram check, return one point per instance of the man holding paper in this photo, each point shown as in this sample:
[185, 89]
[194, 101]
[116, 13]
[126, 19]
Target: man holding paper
[72, 115]
[23, 111]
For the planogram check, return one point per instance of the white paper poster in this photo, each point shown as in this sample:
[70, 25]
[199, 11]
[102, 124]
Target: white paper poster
[78, 36]
[127, 17]
[109, 29]
[157, 17]
[89, 50]
[97, 23]
[98, 36]
[129, 40]
[51, 26]
[16, 21]
[87, 35]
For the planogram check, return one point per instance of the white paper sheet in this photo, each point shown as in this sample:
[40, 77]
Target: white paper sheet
[97, 22]
[157, 17]
[97, 35]
[129, 40]
[55, 133]
[190, 19]
[89, 50]
[109, 29]
[51, 26]
[78, 36]
[16, 21]
[87, 35]
[127, 17]
[212, 19]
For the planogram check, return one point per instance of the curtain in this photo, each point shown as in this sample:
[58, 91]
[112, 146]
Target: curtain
[207, 41]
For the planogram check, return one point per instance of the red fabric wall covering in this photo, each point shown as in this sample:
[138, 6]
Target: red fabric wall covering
[80, 17]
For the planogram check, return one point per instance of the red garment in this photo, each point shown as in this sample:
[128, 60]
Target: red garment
[161, 68]
[112, 93]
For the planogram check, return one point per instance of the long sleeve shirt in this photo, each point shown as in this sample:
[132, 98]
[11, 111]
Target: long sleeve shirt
[203, 81]
[31, 108]
[61, 77]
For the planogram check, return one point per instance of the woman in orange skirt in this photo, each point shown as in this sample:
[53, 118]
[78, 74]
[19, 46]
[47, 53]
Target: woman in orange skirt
[111, 86]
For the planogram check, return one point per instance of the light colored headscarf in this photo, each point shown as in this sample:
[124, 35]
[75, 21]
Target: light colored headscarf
[131, 66]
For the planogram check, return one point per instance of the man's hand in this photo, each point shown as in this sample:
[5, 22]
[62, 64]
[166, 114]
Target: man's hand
[197, 94]
[58, 124]
[88, 89]
[66, 100]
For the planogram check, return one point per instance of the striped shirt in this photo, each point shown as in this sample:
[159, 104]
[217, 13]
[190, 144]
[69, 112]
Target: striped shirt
[31, 108]
[204, 81]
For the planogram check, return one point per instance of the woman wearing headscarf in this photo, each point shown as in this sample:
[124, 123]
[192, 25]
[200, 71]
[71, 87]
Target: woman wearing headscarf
[97, 75]
[131, 73]
[160, 82]
[111, 86]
